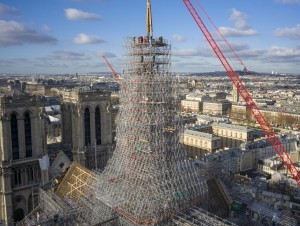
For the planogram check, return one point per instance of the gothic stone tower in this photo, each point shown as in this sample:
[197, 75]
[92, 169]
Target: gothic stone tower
[86, 126]
[22, 143]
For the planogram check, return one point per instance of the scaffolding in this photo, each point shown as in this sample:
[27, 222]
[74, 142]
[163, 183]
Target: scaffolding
[52, 210]
[196, 216]
[78, 186]
[148, 179]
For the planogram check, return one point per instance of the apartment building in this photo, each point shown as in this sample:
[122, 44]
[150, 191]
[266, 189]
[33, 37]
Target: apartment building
[191, 105]
[232, 135]
[216, 107]
[198, 143]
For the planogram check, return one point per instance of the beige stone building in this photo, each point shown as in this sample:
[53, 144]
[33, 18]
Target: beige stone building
[203, 127]
[199, 143]
[191, 105]
[260, 150]
[53, 129]
[86, 126]
[35, 88]
[216, 107]
[194, 102]
[232, 135]
[22, 144]
[238, 111]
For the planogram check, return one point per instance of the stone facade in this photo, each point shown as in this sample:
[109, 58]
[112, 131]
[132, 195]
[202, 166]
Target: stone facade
[86, 126]
[261, 150]
[191, 105]
[216, 107]
[199, 143]
[22, 144]
[232, 135]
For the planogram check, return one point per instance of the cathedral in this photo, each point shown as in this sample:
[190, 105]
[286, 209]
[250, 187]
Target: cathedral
[86, 138]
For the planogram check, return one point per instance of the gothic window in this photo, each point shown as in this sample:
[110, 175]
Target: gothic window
[18, 177]
[28, 141]
[98, 125]
[30, 175]
[87, 127]
[14, 137]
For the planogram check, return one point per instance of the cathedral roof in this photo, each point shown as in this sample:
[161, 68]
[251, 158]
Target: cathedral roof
[15, 93]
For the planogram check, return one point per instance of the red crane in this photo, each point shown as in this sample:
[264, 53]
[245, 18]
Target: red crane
[235, 79]
[117, 77]
[233, 51]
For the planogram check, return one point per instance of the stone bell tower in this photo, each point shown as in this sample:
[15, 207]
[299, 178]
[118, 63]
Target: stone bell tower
[86, 126]
[22, 144]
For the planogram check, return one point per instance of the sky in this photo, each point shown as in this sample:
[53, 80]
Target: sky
[71, 36]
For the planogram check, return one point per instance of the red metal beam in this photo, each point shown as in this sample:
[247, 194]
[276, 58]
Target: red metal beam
[112, 69]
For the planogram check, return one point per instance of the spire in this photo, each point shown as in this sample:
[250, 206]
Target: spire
[149, 28]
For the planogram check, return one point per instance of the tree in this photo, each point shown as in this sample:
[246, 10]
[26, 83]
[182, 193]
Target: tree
[280, 119]
[290, 120]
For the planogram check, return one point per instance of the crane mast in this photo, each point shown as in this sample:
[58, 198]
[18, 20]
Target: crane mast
[235, 79]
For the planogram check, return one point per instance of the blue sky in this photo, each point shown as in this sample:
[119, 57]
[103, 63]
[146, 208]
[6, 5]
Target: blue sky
[69, 36]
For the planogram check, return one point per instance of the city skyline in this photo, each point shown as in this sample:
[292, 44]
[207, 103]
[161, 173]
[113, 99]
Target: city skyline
[70, 36]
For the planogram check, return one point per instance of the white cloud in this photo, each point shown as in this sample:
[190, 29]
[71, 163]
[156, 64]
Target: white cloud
[242, 50]
[14, 33]
[84, 1]
[277, 51]
[239, 18]
[251, 54]
[228, 31]
[7, 10]
[283, 54]
[67, 55]
[242, 28]
[178, 38]
[87, 39]
[75, 14]
[186, 52]
[206, 50]
[236, 46]
[107, 54]
[288, 1]
[293, 33]
[46, 27]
